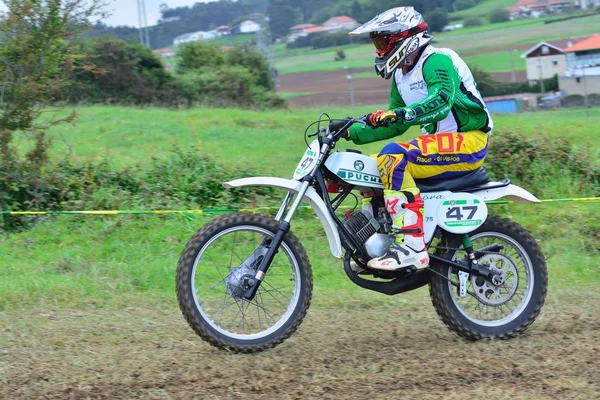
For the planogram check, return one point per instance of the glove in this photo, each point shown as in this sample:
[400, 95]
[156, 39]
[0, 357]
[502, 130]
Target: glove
[381, 118]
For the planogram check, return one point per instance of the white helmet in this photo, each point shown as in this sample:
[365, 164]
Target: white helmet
[397, 34]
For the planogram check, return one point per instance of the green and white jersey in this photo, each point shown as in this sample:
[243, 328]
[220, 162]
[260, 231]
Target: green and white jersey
[439, 94]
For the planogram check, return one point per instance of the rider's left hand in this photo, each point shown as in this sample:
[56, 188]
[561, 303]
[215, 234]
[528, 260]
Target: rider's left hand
[381, 118]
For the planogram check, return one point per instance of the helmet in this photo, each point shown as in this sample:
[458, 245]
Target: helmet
[397, 34]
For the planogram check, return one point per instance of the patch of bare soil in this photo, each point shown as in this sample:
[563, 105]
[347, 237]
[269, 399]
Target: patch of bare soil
[345, 351]
[331, 88]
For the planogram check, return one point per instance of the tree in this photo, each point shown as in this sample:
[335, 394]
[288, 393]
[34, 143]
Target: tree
[356, 11]
[281, 17]
[464, 4]
[437, 19]
[38, 56]
[499, 15]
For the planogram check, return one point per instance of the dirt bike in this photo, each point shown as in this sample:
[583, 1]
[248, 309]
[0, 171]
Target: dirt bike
[244, 281]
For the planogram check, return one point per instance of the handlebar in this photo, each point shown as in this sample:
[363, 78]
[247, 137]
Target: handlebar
[338, 127]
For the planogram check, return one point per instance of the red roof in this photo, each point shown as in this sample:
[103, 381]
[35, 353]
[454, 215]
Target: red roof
[315, 29]
[343, 18]
[540, 3]
[591, 43]
[222, 27]
[162, 51]
[302, 26]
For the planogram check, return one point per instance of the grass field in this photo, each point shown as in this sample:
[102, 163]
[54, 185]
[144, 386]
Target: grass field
[482, 9]
[88, 308]
[466, 40]
[127, 135]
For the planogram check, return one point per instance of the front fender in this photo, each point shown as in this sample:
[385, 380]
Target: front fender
[311, 197]
[511, 192]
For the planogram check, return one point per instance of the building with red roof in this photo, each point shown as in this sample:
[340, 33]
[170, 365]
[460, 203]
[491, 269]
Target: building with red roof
[342, 23]
[583, 68]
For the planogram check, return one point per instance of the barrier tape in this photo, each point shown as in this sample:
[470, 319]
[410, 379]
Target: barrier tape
[227, 211]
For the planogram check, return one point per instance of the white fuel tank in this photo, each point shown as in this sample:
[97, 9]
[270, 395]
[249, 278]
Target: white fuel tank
[354, 168]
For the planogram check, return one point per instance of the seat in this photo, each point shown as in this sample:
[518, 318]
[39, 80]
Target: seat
[470, 180]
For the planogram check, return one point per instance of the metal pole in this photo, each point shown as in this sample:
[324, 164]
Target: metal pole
[349, 78]
[541, 75]
[585, 94]
[139, 7]
[145, 23]
[512, 66]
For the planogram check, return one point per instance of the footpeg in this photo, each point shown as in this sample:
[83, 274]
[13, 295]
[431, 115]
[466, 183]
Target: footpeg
[463, 279]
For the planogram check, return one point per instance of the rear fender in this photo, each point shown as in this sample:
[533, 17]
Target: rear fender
[510, 192]
[311, 197]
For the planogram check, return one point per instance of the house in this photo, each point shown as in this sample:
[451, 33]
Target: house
[300, 28]
[543, 61]
[164, 53]
[248, 26]
[223, 30]
[342, 23]
[583, 68]
[537, 8]
[194, 37]
[587, 4]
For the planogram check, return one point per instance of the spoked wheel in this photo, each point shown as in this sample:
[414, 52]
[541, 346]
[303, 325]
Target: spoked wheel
[214, 272]
[492, 310]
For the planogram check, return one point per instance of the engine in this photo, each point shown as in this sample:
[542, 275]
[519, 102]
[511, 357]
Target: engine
[364, 227]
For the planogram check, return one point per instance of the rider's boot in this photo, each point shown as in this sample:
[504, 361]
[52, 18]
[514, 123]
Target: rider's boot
[409, 251]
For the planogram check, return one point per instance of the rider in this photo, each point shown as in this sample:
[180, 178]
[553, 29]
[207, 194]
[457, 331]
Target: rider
[431, 87]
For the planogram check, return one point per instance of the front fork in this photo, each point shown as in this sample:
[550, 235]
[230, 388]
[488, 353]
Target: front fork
[273, 244]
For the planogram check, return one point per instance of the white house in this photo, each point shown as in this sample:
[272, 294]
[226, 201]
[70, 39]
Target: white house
[249, 26]
[194, 37]
[586, 4]
[583, 74]
[343, 22]
[544, 60]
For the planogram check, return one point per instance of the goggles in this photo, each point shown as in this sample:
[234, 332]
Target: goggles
[384, 44]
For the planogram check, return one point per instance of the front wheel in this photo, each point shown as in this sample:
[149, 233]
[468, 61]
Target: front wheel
[488, 310]
[213, 273]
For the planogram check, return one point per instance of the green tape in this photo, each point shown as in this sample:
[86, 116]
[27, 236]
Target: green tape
[190, 214]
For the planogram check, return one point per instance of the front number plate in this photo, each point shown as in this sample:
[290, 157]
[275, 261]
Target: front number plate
[309, 161]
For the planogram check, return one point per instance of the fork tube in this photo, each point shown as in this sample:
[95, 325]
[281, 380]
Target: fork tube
[283, 207]
[297, 201]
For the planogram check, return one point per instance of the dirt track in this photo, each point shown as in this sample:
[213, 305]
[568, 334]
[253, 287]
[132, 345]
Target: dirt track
[331, 88]
[349, 350]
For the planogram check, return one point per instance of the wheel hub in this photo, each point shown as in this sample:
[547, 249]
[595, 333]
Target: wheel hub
[503, 285]
[239, 280]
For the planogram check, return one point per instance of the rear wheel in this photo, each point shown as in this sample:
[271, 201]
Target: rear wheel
[213, 274]
[492, 311]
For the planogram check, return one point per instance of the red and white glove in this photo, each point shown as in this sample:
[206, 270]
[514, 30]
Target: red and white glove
[381, 118]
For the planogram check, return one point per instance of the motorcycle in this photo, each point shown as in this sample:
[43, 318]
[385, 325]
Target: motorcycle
[244, 281]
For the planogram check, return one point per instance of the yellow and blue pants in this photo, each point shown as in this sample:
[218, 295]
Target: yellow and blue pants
[440, 156]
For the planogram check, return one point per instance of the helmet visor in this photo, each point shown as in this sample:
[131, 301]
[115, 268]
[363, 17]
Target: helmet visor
[383, 44]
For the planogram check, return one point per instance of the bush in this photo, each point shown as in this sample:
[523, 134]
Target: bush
[472, 21]
[437, 19]
[499, 15]
[464, 4]
[183, 179]
[541, 163]
[124, 73]
[340, 55]
[238, 77]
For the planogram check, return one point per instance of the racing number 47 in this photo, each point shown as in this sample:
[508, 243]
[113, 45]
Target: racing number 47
[455, 212]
